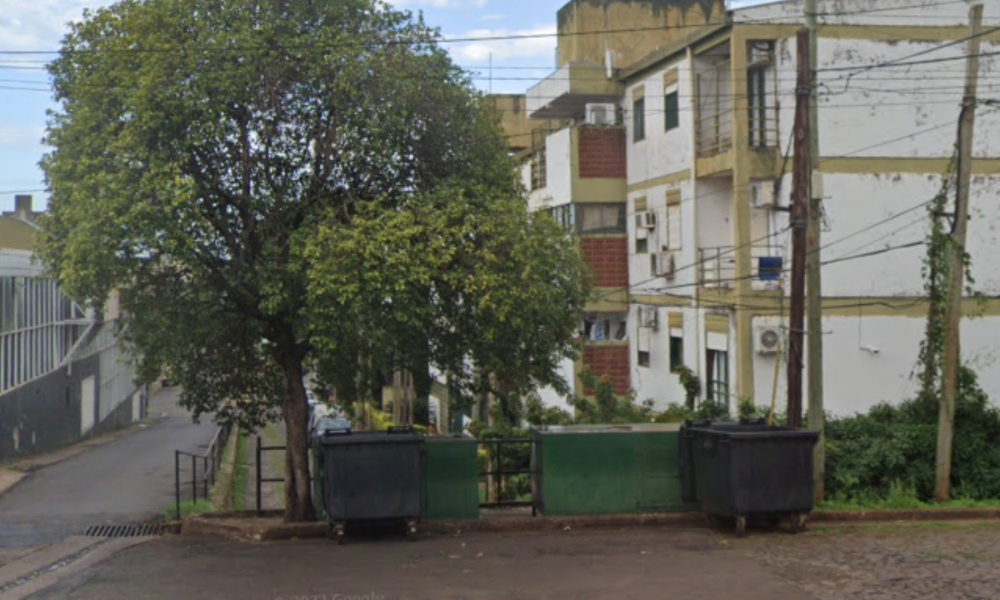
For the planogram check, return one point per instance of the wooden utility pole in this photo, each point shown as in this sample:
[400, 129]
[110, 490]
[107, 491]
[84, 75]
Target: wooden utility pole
[956, 261]
[799, 215]
[814, 288]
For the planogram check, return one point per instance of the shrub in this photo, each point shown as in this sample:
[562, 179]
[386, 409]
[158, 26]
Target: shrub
[893, 448]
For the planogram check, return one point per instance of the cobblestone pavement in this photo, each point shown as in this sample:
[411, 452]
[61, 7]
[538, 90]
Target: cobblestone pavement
[947, 561]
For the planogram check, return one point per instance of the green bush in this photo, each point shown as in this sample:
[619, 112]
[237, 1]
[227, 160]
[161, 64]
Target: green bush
[891, 449]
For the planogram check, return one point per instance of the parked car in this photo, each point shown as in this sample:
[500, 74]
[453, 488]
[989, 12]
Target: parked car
[330, 425]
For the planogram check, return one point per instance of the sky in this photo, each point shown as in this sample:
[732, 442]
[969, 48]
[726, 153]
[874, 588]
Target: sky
[33, 25]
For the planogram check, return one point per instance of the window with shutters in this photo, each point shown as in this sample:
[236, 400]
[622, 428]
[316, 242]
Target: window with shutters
[643, 346]
[674, 227]
[639, 120]
[671, 110]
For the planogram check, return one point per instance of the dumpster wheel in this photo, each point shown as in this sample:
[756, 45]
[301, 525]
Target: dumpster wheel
[741, 526]
[337, 532]
[799, 521]
[411, 531]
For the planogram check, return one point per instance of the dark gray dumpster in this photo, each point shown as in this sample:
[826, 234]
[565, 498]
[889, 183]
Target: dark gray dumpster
[373, 476]
[685, 451]
[744, 471]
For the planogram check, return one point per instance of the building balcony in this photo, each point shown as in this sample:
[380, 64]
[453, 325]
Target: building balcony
[717, 267]
[565, 93]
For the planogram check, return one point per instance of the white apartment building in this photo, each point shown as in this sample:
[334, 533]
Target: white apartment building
[705, 105]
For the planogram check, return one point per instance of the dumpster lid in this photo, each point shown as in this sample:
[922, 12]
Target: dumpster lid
[609, 428]
[370, 437]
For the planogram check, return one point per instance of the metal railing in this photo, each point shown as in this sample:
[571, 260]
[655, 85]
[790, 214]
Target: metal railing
[714, 119]
[506, 481]
[717, 266]
[210, 462]
[261, 480]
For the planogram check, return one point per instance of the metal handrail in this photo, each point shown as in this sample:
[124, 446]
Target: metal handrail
[211, 462]
[717, 265]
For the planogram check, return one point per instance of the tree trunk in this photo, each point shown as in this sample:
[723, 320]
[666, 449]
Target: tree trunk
[298, 491]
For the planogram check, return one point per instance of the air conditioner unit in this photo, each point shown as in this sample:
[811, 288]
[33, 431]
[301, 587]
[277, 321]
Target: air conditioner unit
[647, 317]
[665, 265]
[768, 340]
[762, 194]
[641, 230]
[600, 114]
[646, 220]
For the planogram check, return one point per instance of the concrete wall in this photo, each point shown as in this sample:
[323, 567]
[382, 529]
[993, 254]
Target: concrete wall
[856, 377]
[662, 152]
[46, 413]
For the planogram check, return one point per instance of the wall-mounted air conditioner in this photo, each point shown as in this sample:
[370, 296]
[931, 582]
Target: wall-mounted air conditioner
[645, 220]
[762, 194]
[767, 340]
[600, 114]
[664, 265]
[648, 317]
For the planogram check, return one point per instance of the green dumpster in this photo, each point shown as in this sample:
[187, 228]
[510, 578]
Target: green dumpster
[607, 469]
[451, 481]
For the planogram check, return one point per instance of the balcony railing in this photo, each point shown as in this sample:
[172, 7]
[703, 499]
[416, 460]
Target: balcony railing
[714, 125]
[717, 267]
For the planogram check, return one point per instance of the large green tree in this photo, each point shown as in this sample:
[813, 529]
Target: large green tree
[208, 156]
[197, 142]
[462, 278]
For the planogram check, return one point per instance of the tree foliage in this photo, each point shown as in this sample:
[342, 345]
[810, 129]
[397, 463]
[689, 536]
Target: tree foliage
[207, 155]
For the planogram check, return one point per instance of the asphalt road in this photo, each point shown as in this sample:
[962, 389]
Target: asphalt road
[128, 480]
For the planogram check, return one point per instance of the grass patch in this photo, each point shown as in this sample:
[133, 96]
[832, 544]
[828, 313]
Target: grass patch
[237, 491]
[901, 497]
[188, 507]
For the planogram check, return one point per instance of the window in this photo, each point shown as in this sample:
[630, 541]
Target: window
[601, 218]
[718, 376]
[671, 111]
[641, 245]
[538, 174]
[639, 120]
[643, 346]
[676, 351]
[565, 215]
[673, 227]
[759, 70]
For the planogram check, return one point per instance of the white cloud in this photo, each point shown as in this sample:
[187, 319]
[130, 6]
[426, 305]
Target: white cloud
[39, 24]
[496, 17]
[15, 133]
[534, 49]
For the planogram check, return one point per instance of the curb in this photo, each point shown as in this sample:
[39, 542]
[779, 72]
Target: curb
[246, 525]
[920, 514]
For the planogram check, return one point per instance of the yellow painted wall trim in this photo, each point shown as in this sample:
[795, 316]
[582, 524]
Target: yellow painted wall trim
[661, 300]
[915, 308]
[668, 179]
[613, 300]
[607, 343]
[639, 92]
[640, 204]
[717, 324]
[670, 78]
[892, 165]
[603, 236]
[714, 165]
[673, 197]
[675, 320]
[888, 33]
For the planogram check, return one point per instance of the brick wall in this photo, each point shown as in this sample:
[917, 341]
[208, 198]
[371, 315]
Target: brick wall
[610, 360]
[602, 152]
[608, 257]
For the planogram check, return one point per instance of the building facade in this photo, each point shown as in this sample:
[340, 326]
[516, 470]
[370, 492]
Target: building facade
[701, 109]
[64, 373]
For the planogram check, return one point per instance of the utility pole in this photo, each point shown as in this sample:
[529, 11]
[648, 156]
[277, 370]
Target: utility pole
[814, 288]
[956, 261]
[799, 215]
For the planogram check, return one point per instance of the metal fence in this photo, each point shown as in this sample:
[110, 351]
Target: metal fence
[506, 480]
[261, 480]
[204, 469]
